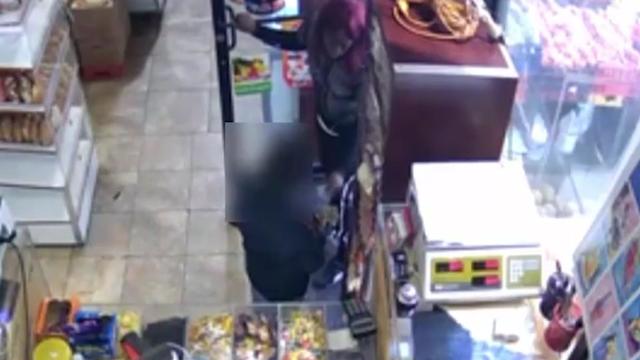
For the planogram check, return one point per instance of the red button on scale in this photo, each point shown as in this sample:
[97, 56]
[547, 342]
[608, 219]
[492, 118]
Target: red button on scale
[492, 264]
[456, 265]
[491, 280]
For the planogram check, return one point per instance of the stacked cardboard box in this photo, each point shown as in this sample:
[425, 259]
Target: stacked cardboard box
[101, 33]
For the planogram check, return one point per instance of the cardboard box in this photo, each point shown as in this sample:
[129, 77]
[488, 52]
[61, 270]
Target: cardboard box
[101, 34]
[112, 20]
[101, 52]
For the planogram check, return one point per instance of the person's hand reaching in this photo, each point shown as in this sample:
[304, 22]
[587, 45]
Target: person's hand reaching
[245, 22]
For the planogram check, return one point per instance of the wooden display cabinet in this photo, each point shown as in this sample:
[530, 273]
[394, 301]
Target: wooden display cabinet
[451, 100]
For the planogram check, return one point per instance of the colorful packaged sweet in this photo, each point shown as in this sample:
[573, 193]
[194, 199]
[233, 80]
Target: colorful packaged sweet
[211, 337]
[303, 334]
[255, 335]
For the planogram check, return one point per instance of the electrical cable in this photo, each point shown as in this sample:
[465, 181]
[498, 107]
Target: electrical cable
[25, 299]
[25, 295]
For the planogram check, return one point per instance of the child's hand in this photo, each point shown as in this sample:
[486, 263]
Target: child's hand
[245, 22]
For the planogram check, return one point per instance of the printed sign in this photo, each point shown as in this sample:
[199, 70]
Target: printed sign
[591, 259]
[251, 74]
[609, 258]
[631, 326]
[626, 271]
[625, 218]
[295, 64]
[601, 306]
[296, 69]
[634, 182]
[611, 345]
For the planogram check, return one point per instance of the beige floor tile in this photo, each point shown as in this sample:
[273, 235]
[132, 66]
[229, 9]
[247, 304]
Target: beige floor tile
[163, 190]
[207, 190]
[207, 152]
[119, 154]
[209, 233]
[185, 36]
[153, 280]
[117, 113]
[180, 70]
[56, 271]
[115, 192]
[182, 10]
[159, 233]
[108, 235]
[96, 279]
[166, 153]
[215, 114]
[177, 112]
[135, 79]
[217, 279]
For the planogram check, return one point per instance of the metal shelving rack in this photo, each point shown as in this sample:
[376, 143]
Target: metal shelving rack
[49, 187]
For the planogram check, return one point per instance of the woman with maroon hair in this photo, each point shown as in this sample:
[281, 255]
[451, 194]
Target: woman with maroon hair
[335, 37]
[351, 74]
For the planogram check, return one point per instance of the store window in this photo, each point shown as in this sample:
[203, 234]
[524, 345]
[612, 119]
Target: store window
[577, 106]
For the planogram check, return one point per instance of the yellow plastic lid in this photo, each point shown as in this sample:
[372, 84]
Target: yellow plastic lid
[52, 349]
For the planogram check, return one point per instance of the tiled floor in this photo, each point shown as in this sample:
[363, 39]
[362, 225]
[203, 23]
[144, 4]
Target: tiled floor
[158, 235]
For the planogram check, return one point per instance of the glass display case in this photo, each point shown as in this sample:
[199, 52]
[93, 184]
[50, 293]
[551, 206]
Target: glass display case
[267, 331]
[577, 105]
[45, 133]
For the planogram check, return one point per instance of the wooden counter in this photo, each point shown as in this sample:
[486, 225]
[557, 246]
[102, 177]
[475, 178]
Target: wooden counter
[451, 100]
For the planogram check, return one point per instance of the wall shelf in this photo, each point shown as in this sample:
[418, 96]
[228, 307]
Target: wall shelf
[48, 188]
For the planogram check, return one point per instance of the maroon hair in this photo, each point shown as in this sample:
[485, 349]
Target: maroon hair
[350, 16]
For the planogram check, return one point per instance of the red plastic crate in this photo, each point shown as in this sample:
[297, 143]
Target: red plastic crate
[102, 72]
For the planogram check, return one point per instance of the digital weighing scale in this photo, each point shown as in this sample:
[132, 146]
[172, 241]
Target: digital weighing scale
[477, 232]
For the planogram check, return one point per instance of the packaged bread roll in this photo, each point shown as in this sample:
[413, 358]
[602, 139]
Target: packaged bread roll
[25, 87]
[6, 131]
[10, 85]
[37, 92]
[17, 130]
[34, 130]
[24, 127]
[46, 133]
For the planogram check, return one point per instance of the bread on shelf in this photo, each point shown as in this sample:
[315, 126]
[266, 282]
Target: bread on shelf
[26, 128]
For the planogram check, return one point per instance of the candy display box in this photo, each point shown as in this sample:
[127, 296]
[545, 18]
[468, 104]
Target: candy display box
[101, 33]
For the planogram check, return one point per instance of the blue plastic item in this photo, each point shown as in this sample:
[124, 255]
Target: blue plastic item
[93, 334]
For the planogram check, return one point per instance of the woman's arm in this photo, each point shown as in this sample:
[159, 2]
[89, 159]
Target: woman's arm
[287, 40]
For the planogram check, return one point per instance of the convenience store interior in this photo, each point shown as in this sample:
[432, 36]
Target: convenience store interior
[160, 240]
